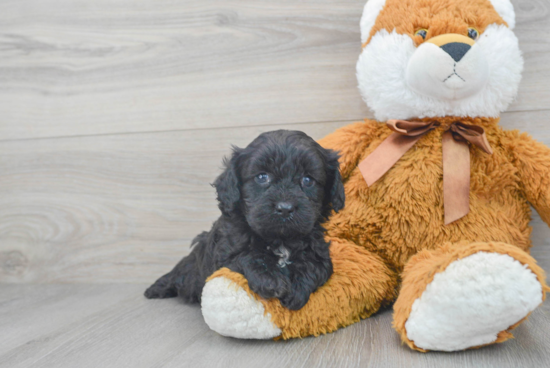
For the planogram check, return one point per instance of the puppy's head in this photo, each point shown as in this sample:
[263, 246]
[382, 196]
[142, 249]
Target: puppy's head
[429, 58]
[283, 183]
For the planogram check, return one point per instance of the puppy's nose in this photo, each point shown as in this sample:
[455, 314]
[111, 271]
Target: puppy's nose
[284, 209]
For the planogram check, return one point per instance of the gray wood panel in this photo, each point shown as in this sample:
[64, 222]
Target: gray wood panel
[120, 328]
[123, 208]
[75, 67]
[114, 208]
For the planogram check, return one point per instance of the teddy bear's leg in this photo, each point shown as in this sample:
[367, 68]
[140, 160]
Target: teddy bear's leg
[360, 285]
[463, 296]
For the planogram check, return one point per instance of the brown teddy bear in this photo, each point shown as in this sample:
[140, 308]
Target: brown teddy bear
[437, 211]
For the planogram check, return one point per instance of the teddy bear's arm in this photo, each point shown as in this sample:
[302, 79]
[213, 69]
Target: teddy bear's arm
[351, 141]
[532, 160]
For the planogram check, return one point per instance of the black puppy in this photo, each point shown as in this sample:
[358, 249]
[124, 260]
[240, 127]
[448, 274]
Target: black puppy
[274, 196]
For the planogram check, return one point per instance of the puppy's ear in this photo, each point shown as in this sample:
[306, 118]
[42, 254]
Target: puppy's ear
[227, 184]
[335, 190]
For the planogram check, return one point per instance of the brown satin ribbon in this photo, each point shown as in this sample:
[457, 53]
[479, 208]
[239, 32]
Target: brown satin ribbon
[456, 159]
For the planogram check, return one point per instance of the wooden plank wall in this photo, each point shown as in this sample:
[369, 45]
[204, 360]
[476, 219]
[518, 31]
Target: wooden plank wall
[115, 115]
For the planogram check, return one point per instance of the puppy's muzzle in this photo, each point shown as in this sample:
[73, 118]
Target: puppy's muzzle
[455, 45]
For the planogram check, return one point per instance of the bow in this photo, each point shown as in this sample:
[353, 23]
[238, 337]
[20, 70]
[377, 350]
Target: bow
[456, 159]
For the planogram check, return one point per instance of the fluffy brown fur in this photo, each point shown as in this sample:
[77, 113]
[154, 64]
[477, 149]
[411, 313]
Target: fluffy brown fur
[400, 216]
[390, 240]
[439, 17]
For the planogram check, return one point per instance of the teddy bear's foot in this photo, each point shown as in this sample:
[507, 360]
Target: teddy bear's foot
[229, 310]
[465, 296]
[360, 284]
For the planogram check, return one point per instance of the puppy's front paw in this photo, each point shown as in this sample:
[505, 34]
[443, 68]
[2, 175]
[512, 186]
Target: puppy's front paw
[295, 301]
[270, 286]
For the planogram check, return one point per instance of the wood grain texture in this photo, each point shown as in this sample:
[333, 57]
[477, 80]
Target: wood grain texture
[124, 208]
[116, 208]
[75, 67]
[114, 326]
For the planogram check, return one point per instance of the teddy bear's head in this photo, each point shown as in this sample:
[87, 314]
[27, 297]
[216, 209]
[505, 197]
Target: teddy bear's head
[428, 58]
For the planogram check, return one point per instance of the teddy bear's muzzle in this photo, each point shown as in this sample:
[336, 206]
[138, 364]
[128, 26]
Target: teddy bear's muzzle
[448, 67]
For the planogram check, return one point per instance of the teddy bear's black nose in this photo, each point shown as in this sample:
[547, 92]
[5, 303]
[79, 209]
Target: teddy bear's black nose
[457, 50]
[284, 209]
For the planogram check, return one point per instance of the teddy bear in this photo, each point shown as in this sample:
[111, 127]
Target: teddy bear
[437, 212]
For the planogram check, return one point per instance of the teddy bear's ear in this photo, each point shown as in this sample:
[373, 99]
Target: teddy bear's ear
[505, 9]
[370, 13]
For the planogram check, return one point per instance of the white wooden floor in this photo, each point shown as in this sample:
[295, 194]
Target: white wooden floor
[114, 117]
[68, 326]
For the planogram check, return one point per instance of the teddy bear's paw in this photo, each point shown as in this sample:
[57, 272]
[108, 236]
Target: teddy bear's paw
[230, 311]
[473, 302]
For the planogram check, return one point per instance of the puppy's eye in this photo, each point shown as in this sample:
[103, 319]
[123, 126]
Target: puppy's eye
[263, 178]
[422, 33]
[307, 182]
[473, 33]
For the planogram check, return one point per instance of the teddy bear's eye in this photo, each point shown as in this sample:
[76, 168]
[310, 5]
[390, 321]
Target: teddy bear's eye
[473, 33]
[422, 33]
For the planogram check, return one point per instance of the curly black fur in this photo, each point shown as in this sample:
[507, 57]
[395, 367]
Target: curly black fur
[274, 196]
